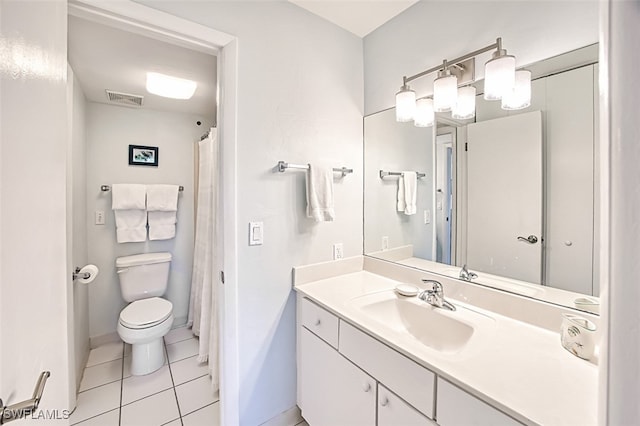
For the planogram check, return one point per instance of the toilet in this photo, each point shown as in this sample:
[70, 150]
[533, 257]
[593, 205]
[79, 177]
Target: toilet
[148, 317]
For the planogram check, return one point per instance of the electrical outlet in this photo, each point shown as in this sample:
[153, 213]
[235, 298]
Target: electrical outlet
[99, 217]
[338, 251]
[427, 217]
[385, 243]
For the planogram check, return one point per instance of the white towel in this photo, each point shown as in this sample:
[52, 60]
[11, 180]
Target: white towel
[162, 206]
[128, 197]
[410, 192]
[407, 193]
[128, 204]
[320, 193]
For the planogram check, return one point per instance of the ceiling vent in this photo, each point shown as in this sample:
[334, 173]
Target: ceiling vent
[125, 98]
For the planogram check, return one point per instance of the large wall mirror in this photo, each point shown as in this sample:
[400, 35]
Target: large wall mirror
[512, 195]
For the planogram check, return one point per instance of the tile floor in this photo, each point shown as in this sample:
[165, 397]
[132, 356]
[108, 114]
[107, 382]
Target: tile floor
[177, 394]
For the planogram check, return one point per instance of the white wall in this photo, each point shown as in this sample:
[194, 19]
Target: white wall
[428, 32]
[110, 130]
[299, 99]
[77, 223]
[393, 146]
[619, 368]
[34, 280]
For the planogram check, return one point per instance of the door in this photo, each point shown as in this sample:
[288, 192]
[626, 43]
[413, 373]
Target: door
[504, 198]
[445, 185]
[333, 391]
[34, 280]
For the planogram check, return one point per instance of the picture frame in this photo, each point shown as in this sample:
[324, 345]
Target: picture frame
[140, 155]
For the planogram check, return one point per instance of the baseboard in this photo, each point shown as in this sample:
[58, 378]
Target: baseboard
[103, 339]
[291, 417]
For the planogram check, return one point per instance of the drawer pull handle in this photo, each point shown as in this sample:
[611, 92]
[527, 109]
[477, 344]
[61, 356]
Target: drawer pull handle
[366, 387]
[384, 401]
[318, 321]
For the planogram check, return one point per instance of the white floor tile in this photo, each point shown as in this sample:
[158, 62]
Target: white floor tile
[96, 401]
[188, 369]
[182, 350]
[101, 374]
[195, 394]
[176, 422]
[178, 335]
[137, 387]
[127, 366]
[112, 418]
[303, 423]
[155, 410]
[105, 353]
[207, 416]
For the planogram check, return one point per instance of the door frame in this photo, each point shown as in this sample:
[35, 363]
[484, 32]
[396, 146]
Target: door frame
[134, 17]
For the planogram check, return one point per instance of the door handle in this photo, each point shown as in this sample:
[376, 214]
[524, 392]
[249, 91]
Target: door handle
[531, 239]
[21, 409]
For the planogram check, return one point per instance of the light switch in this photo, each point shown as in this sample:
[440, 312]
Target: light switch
[255, 233]
[439, 205]
[427, 217]
[99, 217]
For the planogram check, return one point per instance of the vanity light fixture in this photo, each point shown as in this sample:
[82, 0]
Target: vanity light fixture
[520, 96]
[425, 114]
[405, 104]
[170, 87]
[500, 82]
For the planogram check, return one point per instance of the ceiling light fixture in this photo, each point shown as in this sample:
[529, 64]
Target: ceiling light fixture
[424, 113]
[451, 90]
[170, 87]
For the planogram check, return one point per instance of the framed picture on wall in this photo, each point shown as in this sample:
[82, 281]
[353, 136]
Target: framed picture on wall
[143, 155]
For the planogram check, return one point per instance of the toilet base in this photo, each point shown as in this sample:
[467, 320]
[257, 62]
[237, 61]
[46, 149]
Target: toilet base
[147, 357]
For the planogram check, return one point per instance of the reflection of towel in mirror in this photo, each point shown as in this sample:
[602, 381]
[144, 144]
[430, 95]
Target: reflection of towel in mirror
[320, 193]
[407, 193]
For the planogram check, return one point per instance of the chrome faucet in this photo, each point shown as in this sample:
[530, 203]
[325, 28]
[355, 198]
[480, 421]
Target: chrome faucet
[467, 275]
[435, 296]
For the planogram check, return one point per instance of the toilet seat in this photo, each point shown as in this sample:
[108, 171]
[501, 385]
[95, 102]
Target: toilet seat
[146, 313]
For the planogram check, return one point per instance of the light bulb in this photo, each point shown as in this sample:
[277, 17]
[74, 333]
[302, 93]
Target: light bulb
[499, 75]
[520, 96]
[445, 91]
[405, 104]
[466, 105]
[424, 113]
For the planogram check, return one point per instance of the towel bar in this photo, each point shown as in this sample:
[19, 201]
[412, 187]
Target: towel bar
[105, 188]
[282, 166]
[383, 174]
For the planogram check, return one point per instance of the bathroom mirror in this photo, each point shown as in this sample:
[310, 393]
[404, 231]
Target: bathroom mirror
[510, 194]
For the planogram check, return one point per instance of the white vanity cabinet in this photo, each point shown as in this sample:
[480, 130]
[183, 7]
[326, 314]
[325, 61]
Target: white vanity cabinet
[393, 411]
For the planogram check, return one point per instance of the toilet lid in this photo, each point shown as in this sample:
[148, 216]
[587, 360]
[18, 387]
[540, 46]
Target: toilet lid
[146, 312]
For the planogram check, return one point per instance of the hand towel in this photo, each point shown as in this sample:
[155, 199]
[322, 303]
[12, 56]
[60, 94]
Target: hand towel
[162, 206]
[129, 203]
[410, 192]
[320, 193]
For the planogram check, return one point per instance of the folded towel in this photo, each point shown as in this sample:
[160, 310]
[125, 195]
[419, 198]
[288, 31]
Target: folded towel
[401, 204]
[162, 206]
[320, 193]
[128, 197]
[162, 225]
[131, 225]
[162, 198]
[410, 192]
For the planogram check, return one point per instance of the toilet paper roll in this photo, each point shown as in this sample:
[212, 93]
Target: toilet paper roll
[92, 270]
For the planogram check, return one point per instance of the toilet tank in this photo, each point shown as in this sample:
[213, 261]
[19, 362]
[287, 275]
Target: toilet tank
[143, 275]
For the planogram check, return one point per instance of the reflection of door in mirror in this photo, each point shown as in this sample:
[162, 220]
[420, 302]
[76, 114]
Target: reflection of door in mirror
[445, 196]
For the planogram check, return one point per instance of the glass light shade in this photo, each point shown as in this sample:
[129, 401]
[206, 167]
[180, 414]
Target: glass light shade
[424, 113]
[405, 104]
[520, 96]
[445, 93]
[170, 87]
[499, 77]
[466, 105]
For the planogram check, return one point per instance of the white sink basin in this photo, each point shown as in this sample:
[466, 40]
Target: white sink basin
[438, 328]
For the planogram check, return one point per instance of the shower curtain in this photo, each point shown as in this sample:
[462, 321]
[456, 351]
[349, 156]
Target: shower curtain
[203, 303]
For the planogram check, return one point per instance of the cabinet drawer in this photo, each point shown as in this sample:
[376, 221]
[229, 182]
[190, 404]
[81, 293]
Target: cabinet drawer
[456, 407]
[393, 411]
[409, 380]
[320, 322]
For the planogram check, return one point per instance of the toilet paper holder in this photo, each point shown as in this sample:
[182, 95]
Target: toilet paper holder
[77, 274]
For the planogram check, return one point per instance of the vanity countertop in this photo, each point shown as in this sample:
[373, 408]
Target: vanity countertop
[518, 368]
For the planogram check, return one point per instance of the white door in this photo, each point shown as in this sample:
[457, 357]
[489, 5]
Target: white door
[34, 280]
[504, 204]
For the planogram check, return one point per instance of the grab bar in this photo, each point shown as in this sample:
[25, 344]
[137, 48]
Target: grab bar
[20, 409]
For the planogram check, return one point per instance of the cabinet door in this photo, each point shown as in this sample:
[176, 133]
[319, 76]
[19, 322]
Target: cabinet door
[333, 390]
[393, 411]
